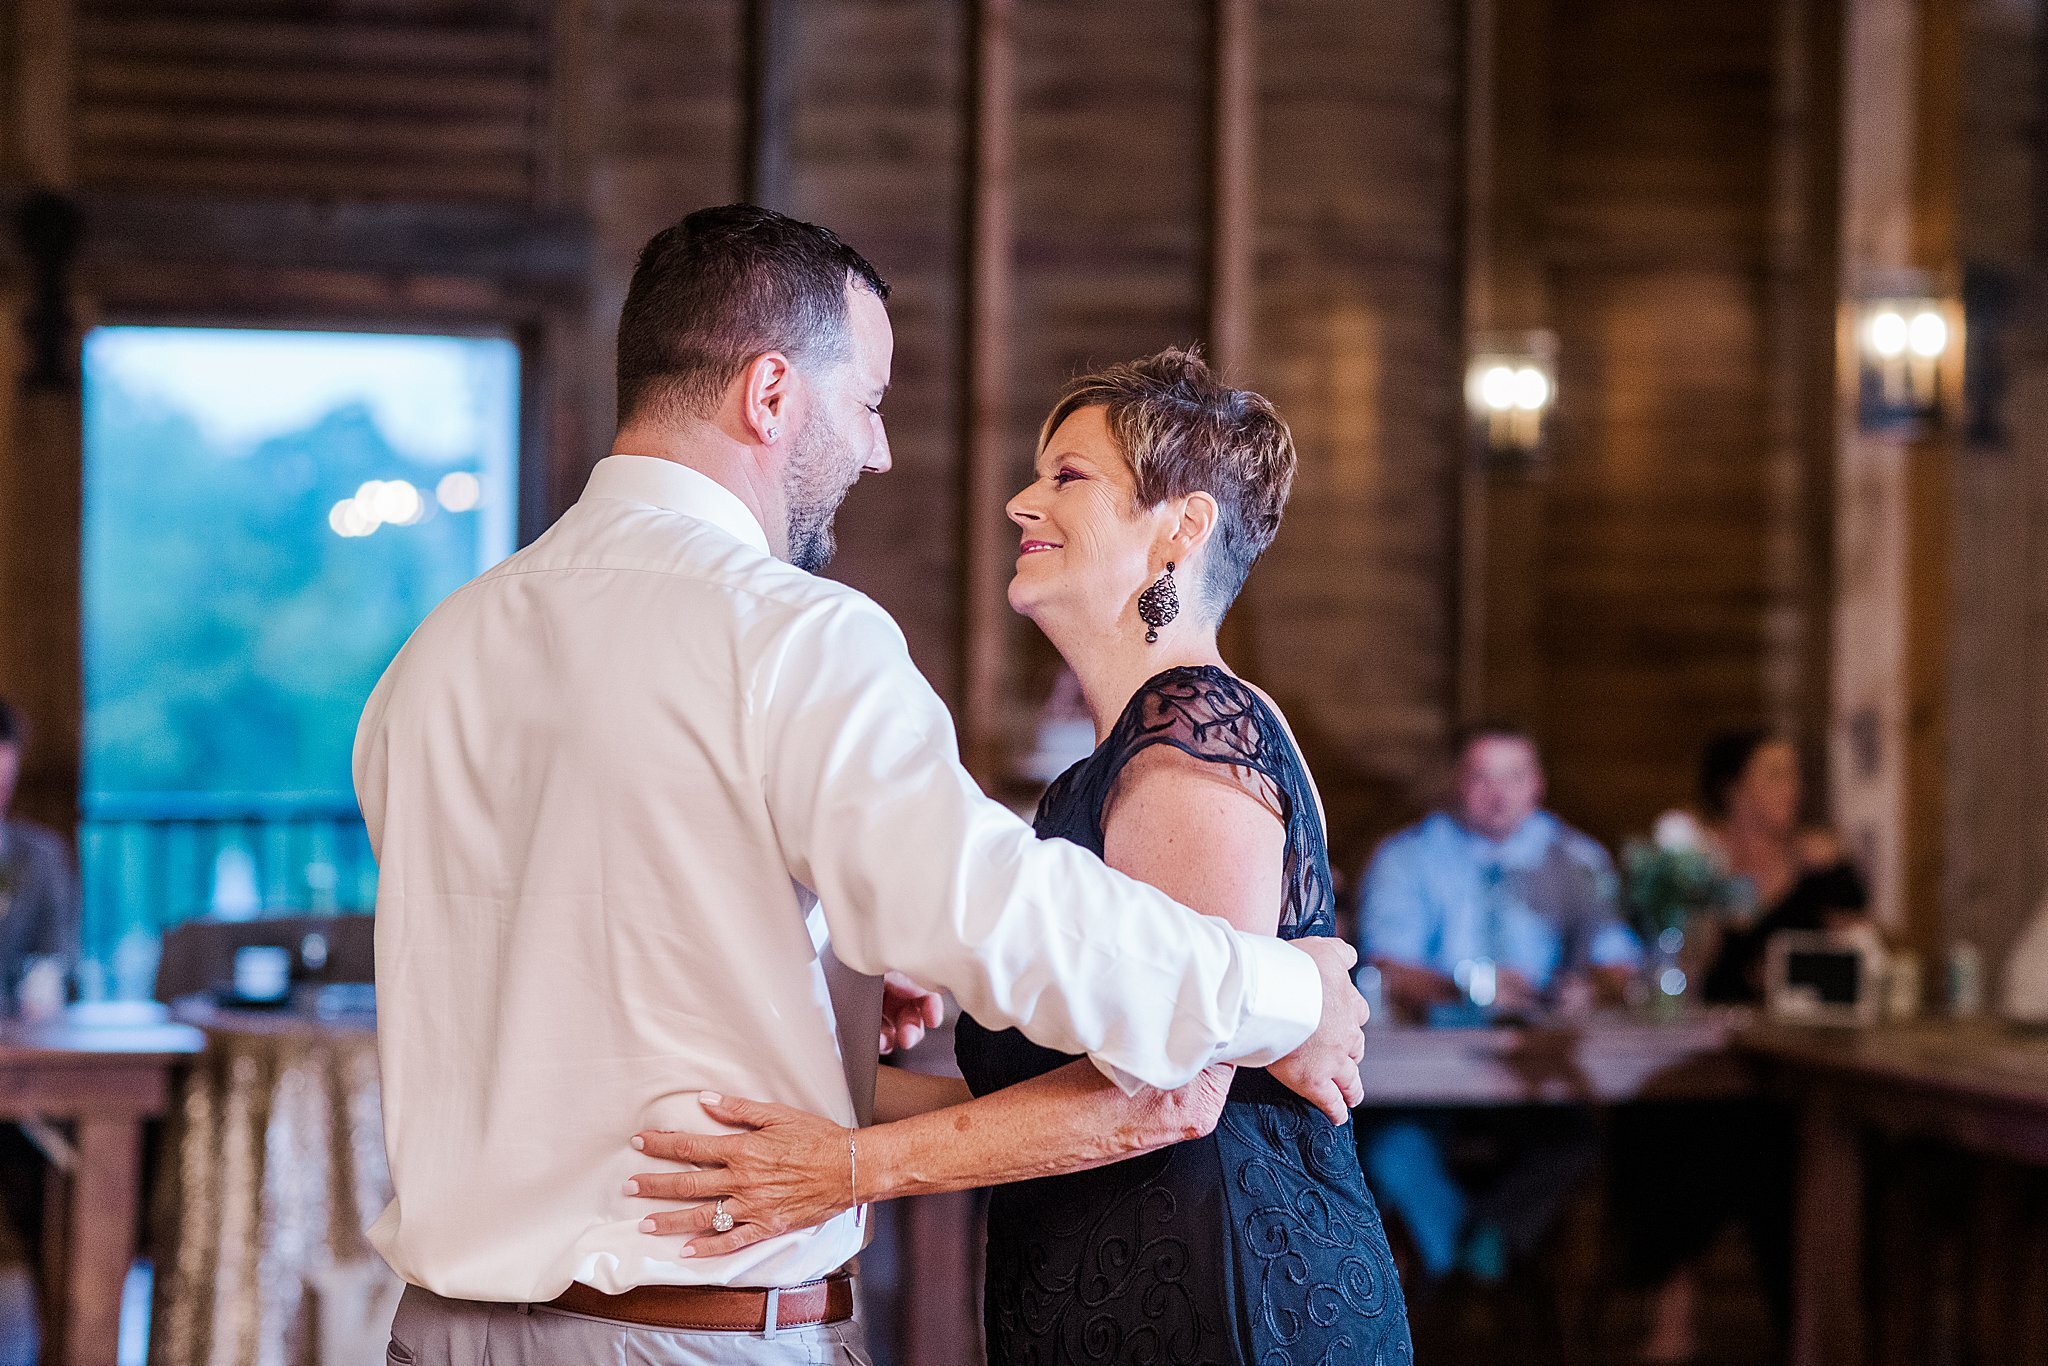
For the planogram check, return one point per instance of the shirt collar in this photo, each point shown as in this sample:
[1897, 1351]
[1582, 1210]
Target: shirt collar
[678, 488]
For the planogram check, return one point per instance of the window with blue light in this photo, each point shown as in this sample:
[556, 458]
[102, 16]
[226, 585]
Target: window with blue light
[268, 514]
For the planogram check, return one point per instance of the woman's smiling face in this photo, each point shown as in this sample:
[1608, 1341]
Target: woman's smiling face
[1086, 552]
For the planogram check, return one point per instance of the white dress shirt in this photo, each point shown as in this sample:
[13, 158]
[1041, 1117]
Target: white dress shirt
[619, 787]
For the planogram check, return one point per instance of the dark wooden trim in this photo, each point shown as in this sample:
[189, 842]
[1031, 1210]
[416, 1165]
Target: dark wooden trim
[768, 102]
[985, 363]
[546, 252]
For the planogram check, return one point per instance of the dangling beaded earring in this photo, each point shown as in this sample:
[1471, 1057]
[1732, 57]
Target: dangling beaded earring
[1159, 604]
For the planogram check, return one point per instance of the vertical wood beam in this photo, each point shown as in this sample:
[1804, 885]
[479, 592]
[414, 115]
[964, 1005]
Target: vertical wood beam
[985, 361]
[1233, 241]
[1232, 221]
[41, 476]
[1805, 274]
[768, 128]
[1498, 586]
[1900, 92]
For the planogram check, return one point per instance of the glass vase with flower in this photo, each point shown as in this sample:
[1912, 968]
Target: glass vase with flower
[1676, 889]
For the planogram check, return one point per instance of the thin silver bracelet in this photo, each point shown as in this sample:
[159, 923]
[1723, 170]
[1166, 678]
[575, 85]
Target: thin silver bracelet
[853, 1166]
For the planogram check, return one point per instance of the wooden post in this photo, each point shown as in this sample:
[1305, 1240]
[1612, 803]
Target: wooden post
[986, 544]
[1827, 1311]
[41, 483]
[1232, 220]
[1233, 228]
[1501, 511]
[770, 102]
[1804, 280]
[1892, 501]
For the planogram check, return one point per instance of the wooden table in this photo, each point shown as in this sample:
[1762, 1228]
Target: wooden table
[1605, 1060]
[1976, 1087]
[103, 1082]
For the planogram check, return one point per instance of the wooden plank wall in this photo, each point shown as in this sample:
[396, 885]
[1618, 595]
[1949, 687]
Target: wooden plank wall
[1357, 339]
[252, 127]
[1653, 587]
[1998, 705]
[1354, 298]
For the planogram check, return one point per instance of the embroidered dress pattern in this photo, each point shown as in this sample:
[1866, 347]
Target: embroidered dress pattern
[1257, 1244]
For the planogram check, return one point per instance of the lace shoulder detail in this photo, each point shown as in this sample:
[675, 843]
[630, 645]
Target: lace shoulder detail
[1203, 712]
[1210, 715]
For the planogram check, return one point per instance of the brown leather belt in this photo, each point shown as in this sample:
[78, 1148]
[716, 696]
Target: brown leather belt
[716, 1308]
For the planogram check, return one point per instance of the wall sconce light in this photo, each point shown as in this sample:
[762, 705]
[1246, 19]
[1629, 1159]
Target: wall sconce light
[1510, 387]
[1908, 357]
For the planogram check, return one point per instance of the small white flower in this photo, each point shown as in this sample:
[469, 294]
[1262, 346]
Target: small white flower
[1676, 832]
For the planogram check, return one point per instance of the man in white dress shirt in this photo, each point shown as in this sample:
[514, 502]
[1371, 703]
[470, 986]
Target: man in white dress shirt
[622, 788]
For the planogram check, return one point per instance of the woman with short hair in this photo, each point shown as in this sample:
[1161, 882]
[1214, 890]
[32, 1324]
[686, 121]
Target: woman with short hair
[1223, 1222]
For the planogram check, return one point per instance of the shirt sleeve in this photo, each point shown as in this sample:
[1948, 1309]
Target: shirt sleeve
[918, 871]
[1393, 910]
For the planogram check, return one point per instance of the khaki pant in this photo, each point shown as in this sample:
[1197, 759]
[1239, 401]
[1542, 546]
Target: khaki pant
[431, 1331]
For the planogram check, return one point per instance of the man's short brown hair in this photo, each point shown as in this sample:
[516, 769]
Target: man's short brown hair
[726, 285]
[1183, 431]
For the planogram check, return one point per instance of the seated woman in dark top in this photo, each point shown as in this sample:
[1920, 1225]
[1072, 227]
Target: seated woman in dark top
[1684, 1172]
[1751, 795]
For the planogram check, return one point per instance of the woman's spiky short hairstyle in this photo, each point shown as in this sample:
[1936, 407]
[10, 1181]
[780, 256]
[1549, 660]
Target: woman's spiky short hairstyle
[1183, 431]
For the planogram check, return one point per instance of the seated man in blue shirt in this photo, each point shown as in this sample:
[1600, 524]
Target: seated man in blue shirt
[1494, 909]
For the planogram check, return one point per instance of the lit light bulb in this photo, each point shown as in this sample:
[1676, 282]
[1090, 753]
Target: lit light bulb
[1497, 388]
[459, 491]
[1532, 389]
[1928, 333]
[1889, 334]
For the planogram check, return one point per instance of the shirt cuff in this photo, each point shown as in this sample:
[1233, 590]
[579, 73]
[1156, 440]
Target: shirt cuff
[1283, 1002]
[1283, 1006]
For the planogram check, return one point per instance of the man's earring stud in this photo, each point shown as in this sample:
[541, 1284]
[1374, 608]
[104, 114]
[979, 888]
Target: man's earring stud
[772, 432]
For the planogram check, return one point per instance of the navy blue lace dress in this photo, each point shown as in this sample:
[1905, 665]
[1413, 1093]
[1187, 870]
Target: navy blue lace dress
[1258, 1244]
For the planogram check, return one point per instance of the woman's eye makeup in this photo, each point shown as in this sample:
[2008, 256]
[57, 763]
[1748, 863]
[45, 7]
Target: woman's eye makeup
[1060, 480]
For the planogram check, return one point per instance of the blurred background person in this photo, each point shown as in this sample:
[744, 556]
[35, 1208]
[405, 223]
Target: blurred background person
[1752, 805]
[38, 893]
[38, 918]
[1684, 1173]
[1493, 909]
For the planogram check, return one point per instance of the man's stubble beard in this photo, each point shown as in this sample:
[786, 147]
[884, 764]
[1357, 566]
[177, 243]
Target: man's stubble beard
[821, 471]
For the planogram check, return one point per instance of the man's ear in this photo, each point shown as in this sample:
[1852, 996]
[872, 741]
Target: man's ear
[767, 388]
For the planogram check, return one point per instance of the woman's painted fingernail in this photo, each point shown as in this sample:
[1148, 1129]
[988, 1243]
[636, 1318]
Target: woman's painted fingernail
[687, 1251]
[647, 1226]
[709, 1097]
[639, 1143]
[632, 1188]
